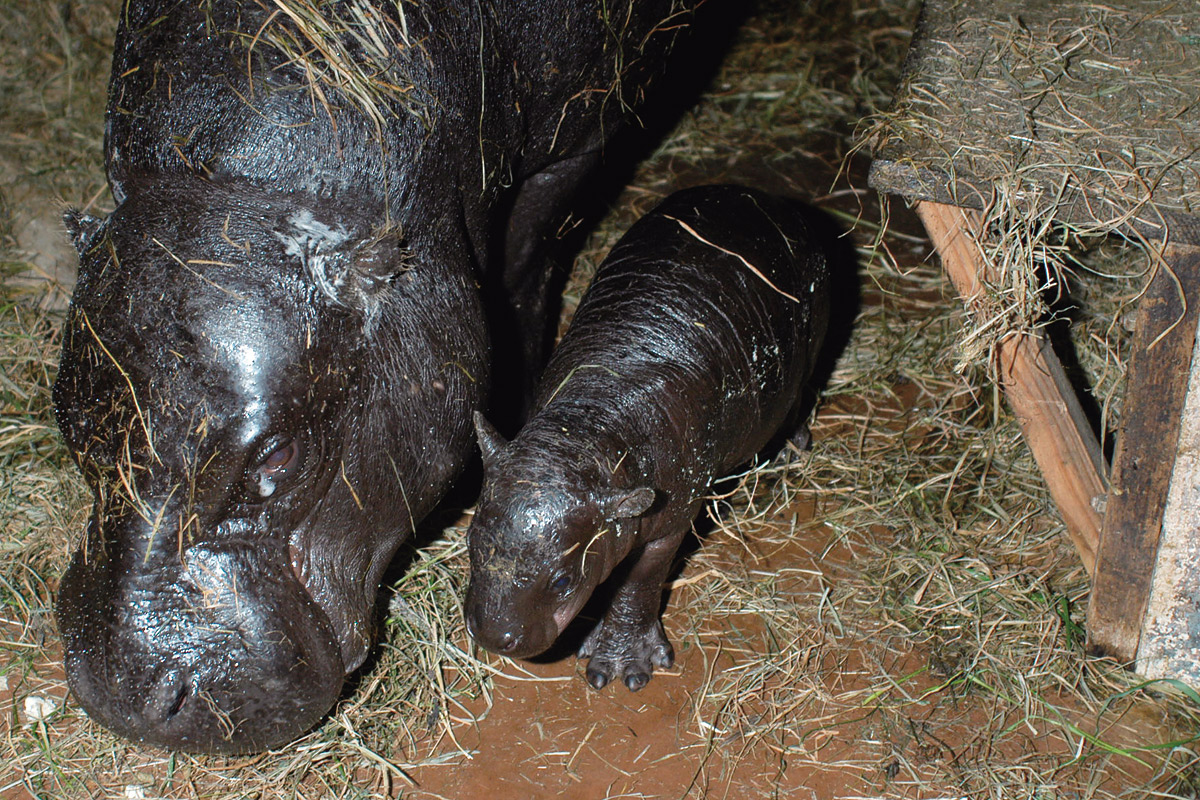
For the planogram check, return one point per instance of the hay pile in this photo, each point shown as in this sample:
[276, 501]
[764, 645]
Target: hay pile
[1071, 97]
[1062, 120]
[937, 615]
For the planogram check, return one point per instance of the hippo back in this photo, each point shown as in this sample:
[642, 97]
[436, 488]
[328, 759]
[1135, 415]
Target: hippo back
[709, 312]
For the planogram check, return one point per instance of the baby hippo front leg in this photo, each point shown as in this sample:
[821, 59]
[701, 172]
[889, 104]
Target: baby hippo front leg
[629, 641]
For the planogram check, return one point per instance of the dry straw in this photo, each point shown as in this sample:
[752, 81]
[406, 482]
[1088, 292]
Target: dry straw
[362, 50]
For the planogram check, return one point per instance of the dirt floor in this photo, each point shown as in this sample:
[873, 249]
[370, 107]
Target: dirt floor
[882, 718]
[895, 613]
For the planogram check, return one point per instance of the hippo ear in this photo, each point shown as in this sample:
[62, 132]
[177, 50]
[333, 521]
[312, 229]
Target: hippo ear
[627, 503]
[374, 263]
[490, 441]
[82, 228]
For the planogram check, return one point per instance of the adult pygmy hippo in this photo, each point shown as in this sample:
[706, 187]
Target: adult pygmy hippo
[277, 340]
[686, 356]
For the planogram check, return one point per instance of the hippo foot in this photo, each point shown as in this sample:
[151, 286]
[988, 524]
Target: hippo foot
[628, 654]
[802, 438]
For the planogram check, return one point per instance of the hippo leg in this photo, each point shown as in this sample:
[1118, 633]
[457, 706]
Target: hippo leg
[802, 438]
[539, 202]
[629, 642]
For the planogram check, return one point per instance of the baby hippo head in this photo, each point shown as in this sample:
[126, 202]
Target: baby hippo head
[546, 532]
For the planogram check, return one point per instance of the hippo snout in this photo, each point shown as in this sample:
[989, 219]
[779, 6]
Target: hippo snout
[504, 642]
[168, 694]
[508, 640]
[505, 633]
[214, 650]
[148, 704]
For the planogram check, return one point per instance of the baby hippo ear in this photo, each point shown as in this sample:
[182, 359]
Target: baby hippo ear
[627, 503]
[490, 441]
[82, 228]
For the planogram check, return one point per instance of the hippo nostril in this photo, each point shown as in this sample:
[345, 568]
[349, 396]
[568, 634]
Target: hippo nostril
[508, 643]
[181, 695]
[167, 698]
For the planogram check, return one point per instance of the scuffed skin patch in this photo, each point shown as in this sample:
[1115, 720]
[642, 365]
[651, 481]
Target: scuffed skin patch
[316, 245]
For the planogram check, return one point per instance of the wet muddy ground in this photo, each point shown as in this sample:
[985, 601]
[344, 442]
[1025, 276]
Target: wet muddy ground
[873, 716]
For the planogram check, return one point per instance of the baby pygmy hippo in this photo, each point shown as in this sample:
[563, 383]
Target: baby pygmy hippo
[685, 358]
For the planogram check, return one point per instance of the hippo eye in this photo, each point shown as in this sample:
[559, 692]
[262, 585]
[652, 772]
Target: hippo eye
[561, 583]
[280, 459]
[274, 466]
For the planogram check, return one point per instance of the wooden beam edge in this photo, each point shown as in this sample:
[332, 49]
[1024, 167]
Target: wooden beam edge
[1047, 409]
[1144, 465]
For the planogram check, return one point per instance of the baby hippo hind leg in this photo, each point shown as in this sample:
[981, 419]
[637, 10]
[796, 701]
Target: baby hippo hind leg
[629, 642]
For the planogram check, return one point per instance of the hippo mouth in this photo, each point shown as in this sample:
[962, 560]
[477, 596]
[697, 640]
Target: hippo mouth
[299, 570]
[334, 591]
[298, 560]
[564, 614]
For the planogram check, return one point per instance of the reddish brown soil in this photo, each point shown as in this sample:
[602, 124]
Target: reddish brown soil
[548, 734]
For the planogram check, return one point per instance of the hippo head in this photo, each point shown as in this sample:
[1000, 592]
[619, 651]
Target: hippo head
[261, 418]
[546, 532]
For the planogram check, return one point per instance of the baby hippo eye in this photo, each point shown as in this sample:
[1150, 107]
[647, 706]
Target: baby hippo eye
[561, 583]
[274, 466]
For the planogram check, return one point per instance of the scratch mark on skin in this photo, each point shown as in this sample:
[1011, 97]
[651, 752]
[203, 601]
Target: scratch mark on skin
[749, 266]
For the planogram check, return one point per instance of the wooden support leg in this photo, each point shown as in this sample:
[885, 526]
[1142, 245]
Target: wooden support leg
[1149, 459]
[1038, 390]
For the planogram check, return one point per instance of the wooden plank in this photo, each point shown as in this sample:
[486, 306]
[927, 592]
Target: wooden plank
[1156, 387]
[1051, 418]
[1169, 646]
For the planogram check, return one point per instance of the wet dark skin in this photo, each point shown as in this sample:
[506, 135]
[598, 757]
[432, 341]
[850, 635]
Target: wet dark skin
[687, 355]
[280, 334]
[241, 524]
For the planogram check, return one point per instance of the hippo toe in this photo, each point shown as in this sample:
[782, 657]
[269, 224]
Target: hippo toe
[631, 655]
